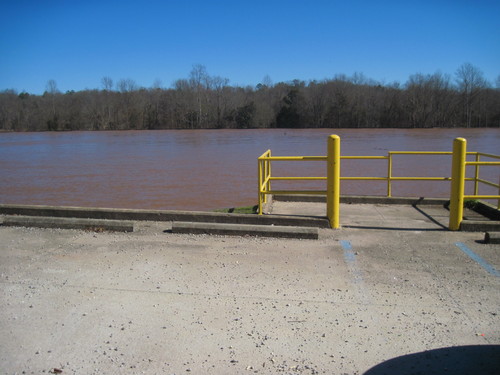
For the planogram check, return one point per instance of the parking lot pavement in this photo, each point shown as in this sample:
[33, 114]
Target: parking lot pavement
[364, 299]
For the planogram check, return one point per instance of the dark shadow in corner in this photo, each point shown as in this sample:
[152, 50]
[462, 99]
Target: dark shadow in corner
[459, 360]
[422, 212]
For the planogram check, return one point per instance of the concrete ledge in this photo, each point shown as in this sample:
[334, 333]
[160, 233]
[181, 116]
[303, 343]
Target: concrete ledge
[492, 237]
[68, 223]
[242, 230]
[162, 215]
[364, 199]
[479, 226]
[299, 198]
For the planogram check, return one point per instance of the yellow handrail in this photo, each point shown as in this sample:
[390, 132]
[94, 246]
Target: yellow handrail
[333, 178]
[478, 180]
[457, 195]
[265, 178]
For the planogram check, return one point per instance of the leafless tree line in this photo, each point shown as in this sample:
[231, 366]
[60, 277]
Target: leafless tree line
[202, 101]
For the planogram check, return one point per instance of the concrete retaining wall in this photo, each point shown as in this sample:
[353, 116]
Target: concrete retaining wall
[162, 215]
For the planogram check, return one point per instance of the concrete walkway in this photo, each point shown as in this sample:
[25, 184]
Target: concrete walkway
[372, 216]
[391, 292]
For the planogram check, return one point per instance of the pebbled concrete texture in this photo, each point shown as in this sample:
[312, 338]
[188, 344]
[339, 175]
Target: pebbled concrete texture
[363, 299]
[243, 230]
[69, 223]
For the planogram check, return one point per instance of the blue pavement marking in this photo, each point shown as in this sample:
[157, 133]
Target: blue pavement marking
[350, 259]
[348, 253]
[483, 263]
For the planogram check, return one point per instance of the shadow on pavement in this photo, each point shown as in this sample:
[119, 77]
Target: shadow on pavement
[428, 216]
[460, 360]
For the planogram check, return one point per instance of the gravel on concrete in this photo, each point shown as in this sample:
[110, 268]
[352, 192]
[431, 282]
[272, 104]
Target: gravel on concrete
[357, 301]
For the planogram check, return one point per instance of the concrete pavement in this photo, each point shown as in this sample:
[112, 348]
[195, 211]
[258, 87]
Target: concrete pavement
[385, 294]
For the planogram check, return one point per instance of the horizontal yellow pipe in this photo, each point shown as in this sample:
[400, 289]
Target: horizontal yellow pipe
[364, 157]
[489, 155]
[488, 183]
[421, 178]
[284, 192]
[271, 158]
[364, 178]
[404, 178]
[420, 153]
[297, 178]
[482, 163]
[481, 196]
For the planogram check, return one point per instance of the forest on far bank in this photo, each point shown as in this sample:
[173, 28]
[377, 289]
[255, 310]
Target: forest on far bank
[202, 101]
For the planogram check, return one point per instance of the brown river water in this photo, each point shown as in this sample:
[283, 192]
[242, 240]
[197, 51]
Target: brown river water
[210, 169]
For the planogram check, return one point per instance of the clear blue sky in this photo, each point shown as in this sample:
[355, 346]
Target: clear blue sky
[76, 43]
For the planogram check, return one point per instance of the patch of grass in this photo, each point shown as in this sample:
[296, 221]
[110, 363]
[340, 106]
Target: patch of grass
[240, 210]
[471, 204]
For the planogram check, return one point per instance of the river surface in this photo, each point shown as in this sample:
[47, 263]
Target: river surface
[209, 169]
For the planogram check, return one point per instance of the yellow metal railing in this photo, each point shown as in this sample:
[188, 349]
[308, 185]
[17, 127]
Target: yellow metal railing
[333, 178]
[265, 177]
[390, 162]
[457, 195]
[478, 180]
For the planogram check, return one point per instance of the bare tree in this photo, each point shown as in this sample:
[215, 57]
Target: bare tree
[107, 83]
[157, 84]
[199, 81]
[126, 85]
[218, 84]
[470, 82]
[51, 87]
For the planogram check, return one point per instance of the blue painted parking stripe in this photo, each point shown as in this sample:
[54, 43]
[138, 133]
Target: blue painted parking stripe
[348, 253]
[350, 259]
[359, 289]
[483, 263]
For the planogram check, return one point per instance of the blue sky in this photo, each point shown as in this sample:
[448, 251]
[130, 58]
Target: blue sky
[76, 43]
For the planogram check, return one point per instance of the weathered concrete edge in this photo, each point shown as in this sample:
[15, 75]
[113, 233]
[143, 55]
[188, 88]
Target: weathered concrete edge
[364, 199]
[241, 230]
[492, 237]
[162, 215]
[479, 226]
[68, 223]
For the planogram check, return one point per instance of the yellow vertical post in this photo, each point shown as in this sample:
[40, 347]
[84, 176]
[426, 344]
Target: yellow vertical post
[498, 204]
[476, 177]
[389, 175]
[333, 181]
[268, 174]
[457, 183]
[260, 171]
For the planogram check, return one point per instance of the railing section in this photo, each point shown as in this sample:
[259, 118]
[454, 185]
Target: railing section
[333, 178]
[265, 177]
[457, 194]
[333, 158]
